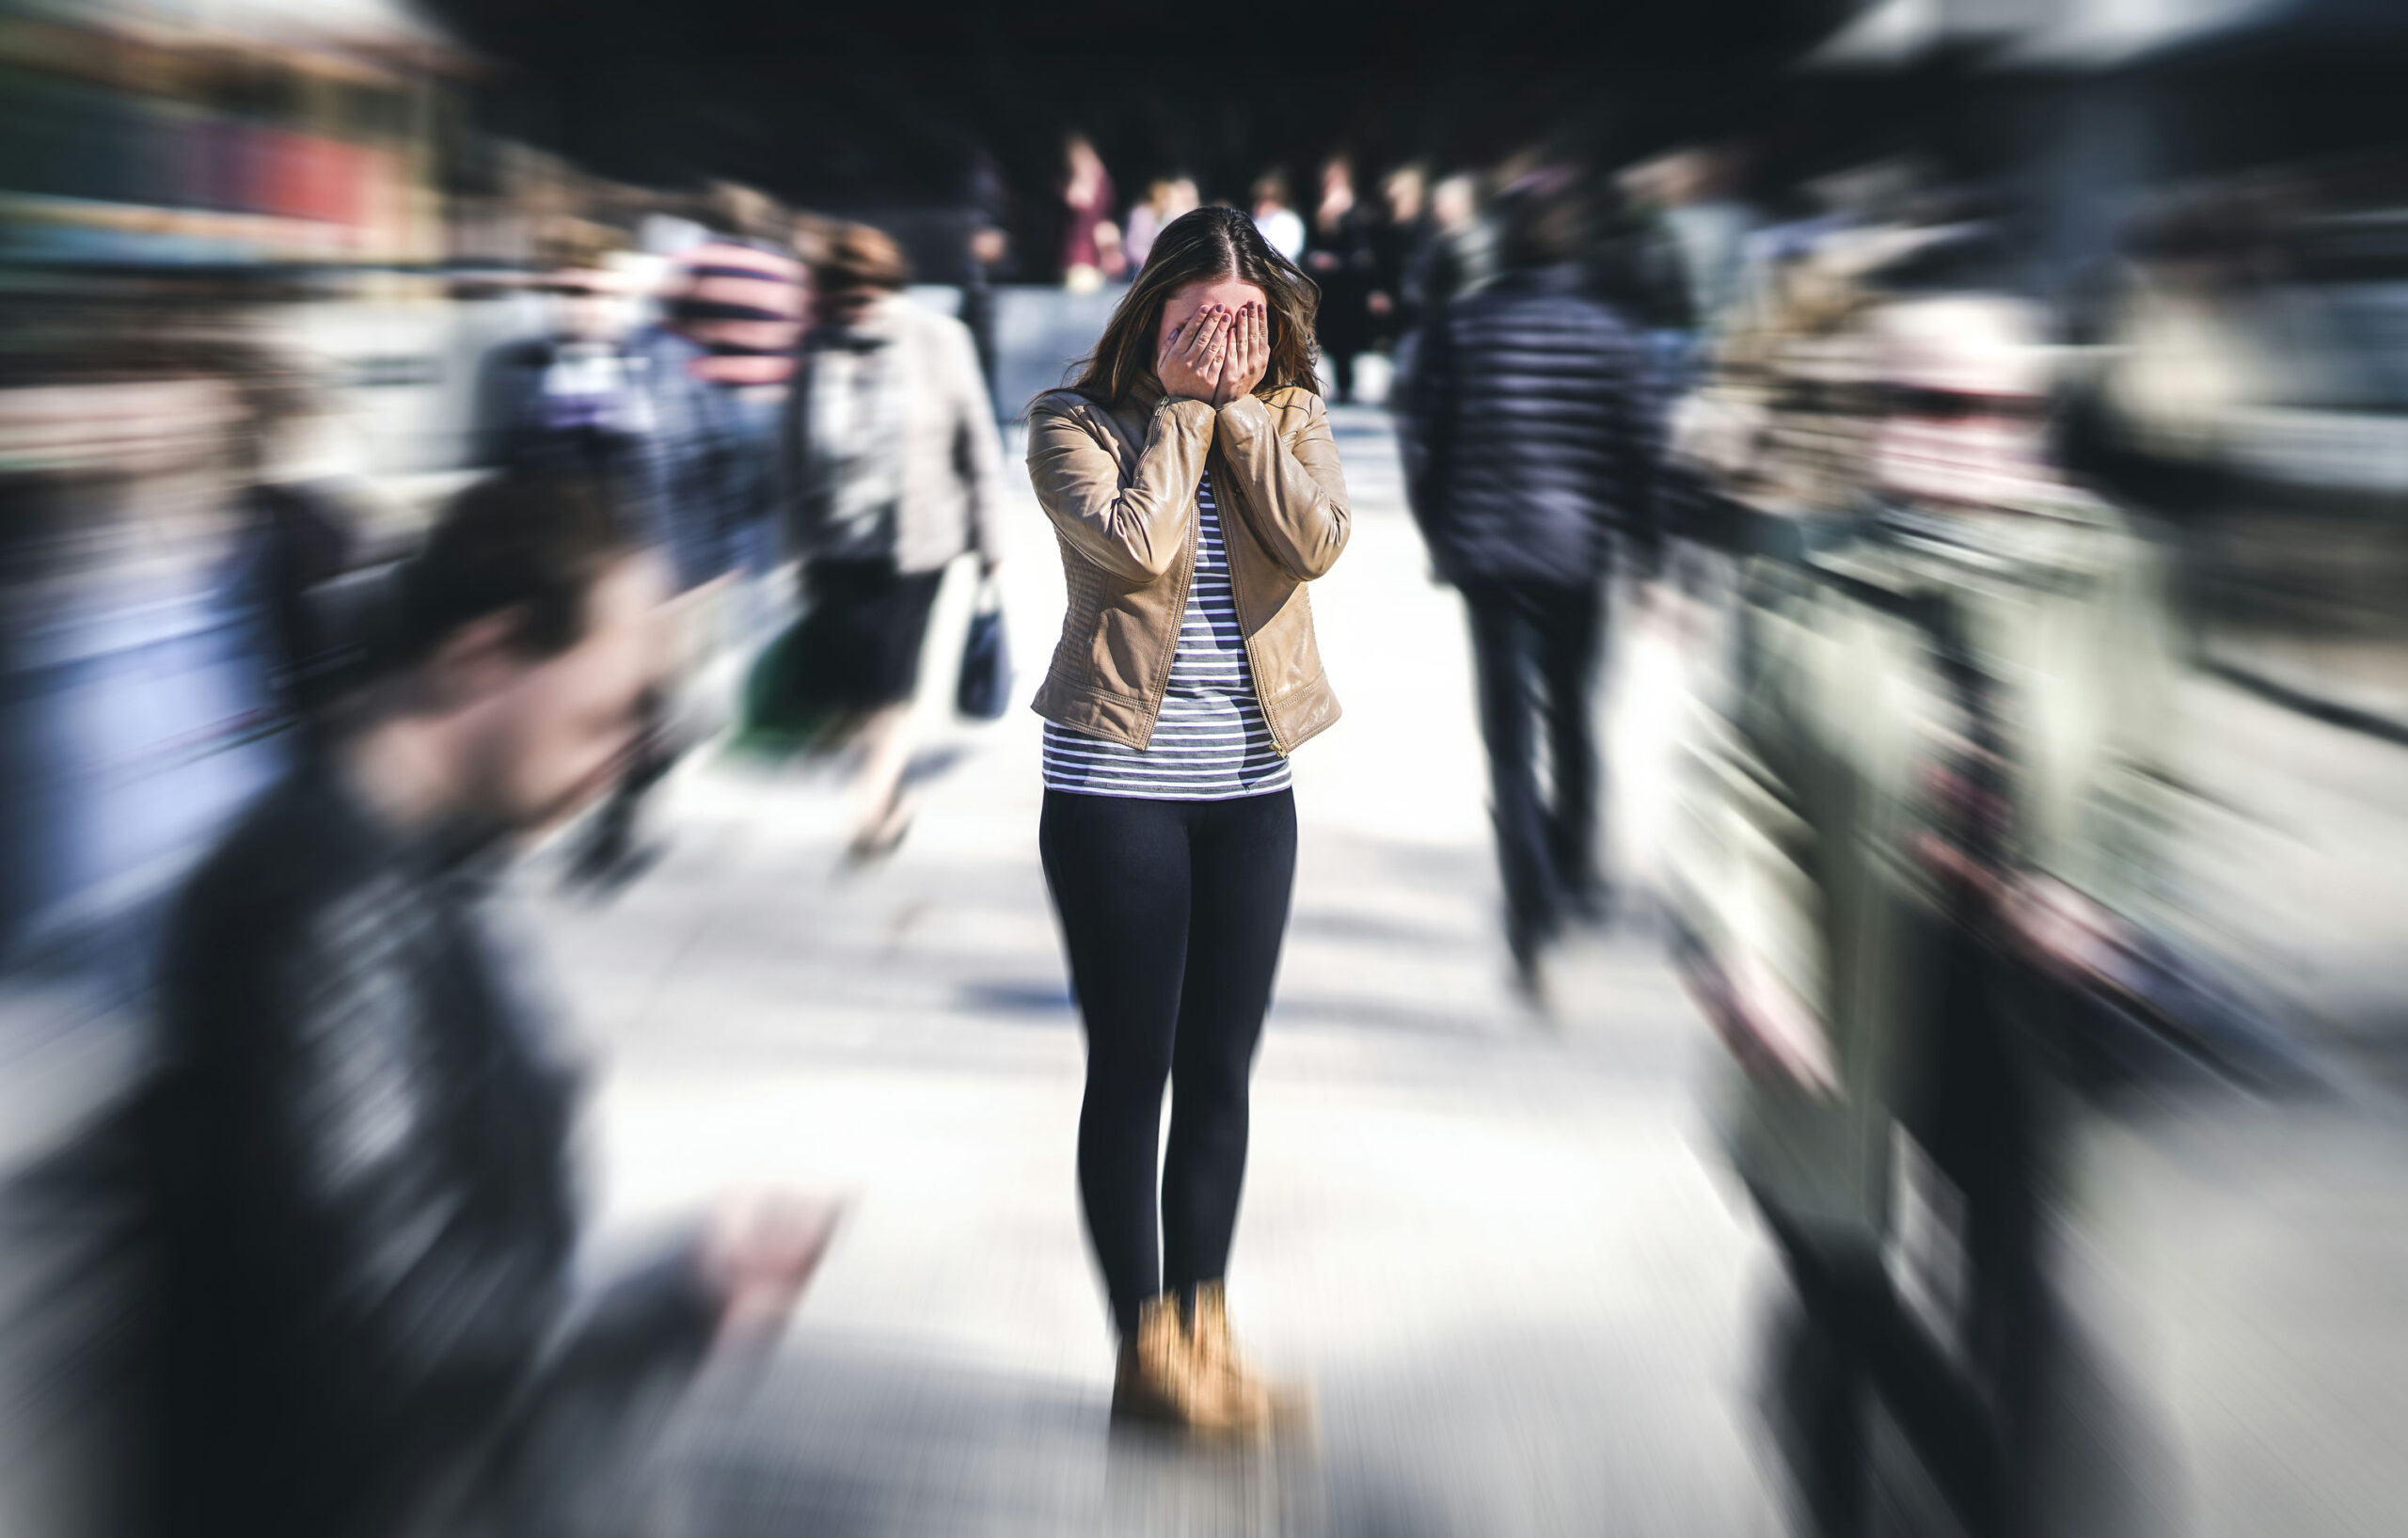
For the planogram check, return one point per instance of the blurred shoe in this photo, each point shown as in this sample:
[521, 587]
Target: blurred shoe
[1590, 905]
[1527, 944]
[610, 858]
[1155, 1381]
[876, 842]
[1248, 1401]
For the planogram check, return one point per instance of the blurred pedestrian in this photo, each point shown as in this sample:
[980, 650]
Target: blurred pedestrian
[1944, 794]
[1699, 192]
[1166, 199]
[713, 374]
[1457, 250]
[571, 400]
[357, 1141]
[1533, 449]
[1194, 485]
[1394, 239]
[895, 470]
[301, 538]
[1280, 224]
[1091, 252]
[1342, 256]
[985, 257]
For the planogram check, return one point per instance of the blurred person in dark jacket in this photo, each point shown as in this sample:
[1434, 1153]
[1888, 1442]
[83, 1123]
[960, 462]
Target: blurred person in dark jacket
[987, 257]
[1531, 446]
[356, 1146]
[1451, 253]
[1341, 253]
[299, 541]
[894, 469]
[1394, 241]
[571, 399]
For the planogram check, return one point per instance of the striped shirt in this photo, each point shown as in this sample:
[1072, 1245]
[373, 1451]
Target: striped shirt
[744, 303]
[1210, 742]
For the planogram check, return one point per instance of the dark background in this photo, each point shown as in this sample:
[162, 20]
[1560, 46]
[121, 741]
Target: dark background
[884, 107]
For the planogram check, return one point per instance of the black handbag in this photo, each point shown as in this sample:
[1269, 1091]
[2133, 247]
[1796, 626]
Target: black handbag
[982, 690]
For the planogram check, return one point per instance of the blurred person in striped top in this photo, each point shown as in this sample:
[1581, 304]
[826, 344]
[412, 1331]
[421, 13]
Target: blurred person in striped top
[713, 371]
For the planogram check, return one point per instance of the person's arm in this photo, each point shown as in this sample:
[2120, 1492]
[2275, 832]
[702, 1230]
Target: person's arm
[1756, 909]
[1134, 532]
[794, 462]
[1292, 498]
[1639, 438]
[1430, 417]
[978, 453]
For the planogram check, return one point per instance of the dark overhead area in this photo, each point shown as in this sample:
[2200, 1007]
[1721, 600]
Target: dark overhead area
[844, 107]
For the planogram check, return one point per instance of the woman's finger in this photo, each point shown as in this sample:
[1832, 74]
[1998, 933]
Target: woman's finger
[1205, 342]
[1200, 337]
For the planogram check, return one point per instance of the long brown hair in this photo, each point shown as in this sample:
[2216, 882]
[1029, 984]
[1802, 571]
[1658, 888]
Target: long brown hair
[1205, 247]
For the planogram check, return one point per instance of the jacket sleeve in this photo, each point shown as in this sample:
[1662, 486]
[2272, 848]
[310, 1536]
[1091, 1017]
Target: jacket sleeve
[1133, 531]
[978, 454]
[1294, 500]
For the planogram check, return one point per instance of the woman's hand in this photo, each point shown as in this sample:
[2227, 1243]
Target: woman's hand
[1189, 365]
[1247, 357]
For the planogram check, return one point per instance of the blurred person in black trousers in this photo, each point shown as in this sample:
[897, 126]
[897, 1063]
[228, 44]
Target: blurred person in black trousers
[1532, 445]
[356, 1146]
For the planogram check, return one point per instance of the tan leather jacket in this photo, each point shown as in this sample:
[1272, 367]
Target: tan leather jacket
[1120, 484]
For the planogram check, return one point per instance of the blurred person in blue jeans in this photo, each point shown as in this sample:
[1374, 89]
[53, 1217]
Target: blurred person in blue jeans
[356, 1146]
[1532, 447]
[712, 376]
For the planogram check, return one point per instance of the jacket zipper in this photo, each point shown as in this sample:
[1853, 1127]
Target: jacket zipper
[1178, 626]
[1237, 601]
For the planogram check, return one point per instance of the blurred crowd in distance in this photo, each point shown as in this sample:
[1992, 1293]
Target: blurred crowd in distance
[1954, 425]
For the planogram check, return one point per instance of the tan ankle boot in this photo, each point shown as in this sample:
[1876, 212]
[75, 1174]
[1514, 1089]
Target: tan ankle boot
[1156, 1376]
[1247, 1400]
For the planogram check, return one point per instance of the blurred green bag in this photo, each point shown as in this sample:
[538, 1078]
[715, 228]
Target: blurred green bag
[777, 718]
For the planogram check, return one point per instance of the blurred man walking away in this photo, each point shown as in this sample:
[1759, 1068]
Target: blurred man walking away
[1530, 445]
[356, 1148]
[1341, 254]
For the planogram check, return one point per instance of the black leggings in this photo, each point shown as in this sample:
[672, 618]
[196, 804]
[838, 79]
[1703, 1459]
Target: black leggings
[1172, 913]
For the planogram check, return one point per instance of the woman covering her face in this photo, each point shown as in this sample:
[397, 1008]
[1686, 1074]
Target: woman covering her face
[1194, 489]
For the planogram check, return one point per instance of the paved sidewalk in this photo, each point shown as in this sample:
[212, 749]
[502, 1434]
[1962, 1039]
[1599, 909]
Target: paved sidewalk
[1502, 1250]
[1521, 1294]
